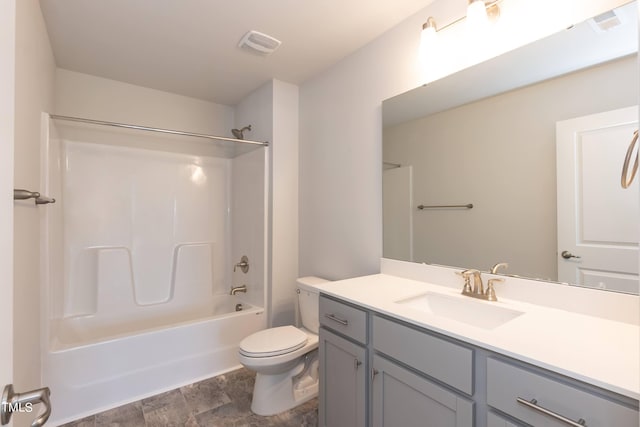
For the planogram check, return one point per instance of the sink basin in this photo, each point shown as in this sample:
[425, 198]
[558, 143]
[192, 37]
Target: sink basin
[485, 315]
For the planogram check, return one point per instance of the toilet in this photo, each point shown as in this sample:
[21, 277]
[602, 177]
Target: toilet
[285, 358]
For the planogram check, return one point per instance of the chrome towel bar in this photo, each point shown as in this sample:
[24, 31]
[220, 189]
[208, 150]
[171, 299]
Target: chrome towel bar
[19, 194]
[467, 206]
[626, 179]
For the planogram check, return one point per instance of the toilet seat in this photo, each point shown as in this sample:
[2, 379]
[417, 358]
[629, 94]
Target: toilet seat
[273, 342]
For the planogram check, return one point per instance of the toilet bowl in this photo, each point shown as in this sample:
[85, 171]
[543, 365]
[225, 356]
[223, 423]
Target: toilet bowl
[285, 358]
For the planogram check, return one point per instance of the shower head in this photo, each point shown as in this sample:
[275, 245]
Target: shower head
[238, 133]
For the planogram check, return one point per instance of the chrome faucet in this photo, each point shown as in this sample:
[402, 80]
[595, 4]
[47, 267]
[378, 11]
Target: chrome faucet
[477, 290]
[235, 290]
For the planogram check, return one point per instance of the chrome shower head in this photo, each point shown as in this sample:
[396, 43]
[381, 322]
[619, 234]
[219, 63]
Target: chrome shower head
[239, 133]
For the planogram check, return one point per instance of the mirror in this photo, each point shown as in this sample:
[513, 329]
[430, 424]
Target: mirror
[470, 173]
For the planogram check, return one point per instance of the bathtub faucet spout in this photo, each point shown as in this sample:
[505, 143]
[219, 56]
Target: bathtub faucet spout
[235, 290]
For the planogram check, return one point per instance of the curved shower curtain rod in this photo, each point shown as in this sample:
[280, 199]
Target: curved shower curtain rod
[150, 129]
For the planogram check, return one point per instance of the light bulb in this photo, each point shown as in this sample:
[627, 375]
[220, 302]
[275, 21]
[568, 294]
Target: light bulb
[477, 18]
[427, 37]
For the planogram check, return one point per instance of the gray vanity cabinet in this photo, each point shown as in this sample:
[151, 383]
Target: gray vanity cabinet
[406, 365]
[403, 398]
[541, 398]
[343, 365]
[494, 420]
[382, 372]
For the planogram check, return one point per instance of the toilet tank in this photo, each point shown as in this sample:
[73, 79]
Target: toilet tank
[308, 301]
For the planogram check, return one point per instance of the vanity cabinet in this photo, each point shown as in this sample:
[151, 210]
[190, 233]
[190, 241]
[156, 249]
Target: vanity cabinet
[443, 360]
[380, 371]
[404, 398]
[407, 362]
[494, 420]
[343, 365]
[539, 398]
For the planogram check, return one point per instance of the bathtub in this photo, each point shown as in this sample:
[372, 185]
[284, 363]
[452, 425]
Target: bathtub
[92, 367]
[137, 265]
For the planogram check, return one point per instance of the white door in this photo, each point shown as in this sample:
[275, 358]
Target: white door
[7, 61]
[597, 219]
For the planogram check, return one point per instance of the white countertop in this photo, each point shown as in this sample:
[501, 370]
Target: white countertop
[598, 351]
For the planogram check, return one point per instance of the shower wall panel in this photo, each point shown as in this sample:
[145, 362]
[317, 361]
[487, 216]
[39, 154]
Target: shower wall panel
[249, 223]
[142, 228]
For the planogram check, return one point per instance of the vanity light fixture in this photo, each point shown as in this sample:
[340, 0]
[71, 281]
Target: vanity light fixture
[427, 36]
[479, 12]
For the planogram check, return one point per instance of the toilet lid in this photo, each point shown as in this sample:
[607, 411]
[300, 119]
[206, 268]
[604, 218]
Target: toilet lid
[273, 342]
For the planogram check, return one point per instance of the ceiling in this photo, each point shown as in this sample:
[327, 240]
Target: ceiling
[189, 47]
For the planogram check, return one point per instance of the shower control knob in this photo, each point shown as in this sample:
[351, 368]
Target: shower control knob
[243, 264]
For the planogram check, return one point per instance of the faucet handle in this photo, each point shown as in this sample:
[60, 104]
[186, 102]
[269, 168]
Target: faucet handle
[478, 287]
[491, 292]
[466, 275]
[243, 264]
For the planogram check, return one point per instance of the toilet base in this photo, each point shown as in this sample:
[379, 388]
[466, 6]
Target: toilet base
[273, 394]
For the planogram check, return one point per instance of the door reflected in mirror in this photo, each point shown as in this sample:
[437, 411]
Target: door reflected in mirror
[498, 153]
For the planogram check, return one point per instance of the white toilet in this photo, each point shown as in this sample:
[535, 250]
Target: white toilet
[285, 358]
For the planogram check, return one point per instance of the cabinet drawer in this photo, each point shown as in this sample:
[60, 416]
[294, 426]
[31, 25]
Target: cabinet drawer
[343, 318]
[443, 360]
[506, 383]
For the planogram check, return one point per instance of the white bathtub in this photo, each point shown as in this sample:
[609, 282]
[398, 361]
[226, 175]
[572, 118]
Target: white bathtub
[91, 368]
[138, 252]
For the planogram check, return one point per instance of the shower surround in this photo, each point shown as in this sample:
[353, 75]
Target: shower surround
[138, 262]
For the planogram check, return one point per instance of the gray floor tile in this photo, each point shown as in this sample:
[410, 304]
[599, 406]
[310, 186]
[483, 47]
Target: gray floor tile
[166, 409]
[205, 396]
[223, 401]
[123, 416]
[84, 422]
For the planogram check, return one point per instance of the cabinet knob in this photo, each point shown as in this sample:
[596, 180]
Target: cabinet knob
[356, 363]
[374, 372]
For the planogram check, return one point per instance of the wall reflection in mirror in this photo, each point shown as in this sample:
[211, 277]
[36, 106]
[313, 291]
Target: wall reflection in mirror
[534, 140]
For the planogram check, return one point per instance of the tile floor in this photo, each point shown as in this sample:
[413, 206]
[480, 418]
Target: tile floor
[222, 401]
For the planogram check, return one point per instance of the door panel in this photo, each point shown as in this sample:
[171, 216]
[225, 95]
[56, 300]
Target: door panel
[7, 79]
[598, 224]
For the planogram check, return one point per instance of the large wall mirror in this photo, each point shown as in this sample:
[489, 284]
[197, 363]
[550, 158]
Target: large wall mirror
[518, 160]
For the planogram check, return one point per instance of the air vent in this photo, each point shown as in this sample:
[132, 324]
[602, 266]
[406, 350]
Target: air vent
[605, 22]
[259, 43]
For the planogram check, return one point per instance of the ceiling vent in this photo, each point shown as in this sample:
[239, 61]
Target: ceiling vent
[257, 42]
[605, 22]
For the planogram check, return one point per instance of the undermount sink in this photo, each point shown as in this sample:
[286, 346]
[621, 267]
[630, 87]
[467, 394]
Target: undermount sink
[485, 315]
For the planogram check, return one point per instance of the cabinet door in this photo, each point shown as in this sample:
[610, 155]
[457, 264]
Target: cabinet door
[342, 382]
[402, 398]
[494, 420]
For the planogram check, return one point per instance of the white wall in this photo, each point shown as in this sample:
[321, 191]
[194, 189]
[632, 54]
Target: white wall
[35, 71]
[284, 192]
[341, 131]
[272, 111]
[92, 97]
[256, 109]
[248, 227]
